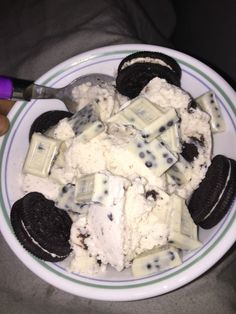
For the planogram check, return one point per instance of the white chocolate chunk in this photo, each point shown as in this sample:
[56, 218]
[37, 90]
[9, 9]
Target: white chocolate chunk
[139, 113]
[66, 200]
[177, 171]
[101, 188]
[60, 161]
[209, 104]
[86, 124]
[119, 118]
[146, 111]
[156, 260]
[91, 131]
[153, 155]
[183, 231]
[171, 138]
[41, 154]
[91, 188]
[162, 124]
[147, 117]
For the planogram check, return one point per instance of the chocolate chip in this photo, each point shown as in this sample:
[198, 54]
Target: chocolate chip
[83, 237]
[171, 255]
[149, 266]
[105, 192]
[148, 164]
[139, 145]
[162, 129]
[141, 155]
[40, 147]
[165, 155]
[99, 262]
[170, 123]
[65, 189]
[110, 216]
[169, 160]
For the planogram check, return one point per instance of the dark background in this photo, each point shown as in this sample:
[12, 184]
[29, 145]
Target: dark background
[49, 31]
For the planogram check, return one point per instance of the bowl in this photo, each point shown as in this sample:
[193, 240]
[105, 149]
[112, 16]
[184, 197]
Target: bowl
[197, 78]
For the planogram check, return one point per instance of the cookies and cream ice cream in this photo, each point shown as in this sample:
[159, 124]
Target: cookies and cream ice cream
[122, 168]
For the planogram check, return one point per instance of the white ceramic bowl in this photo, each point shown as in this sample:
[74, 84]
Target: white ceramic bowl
[197, 78]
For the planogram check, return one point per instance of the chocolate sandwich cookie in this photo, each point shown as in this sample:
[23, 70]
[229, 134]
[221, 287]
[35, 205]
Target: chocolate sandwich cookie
[42, 228]
[151, 57]
[132, 79]
[216, 193]
[48, 119]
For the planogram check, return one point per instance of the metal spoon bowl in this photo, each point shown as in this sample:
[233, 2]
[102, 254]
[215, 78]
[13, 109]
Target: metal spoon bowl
[18, 89]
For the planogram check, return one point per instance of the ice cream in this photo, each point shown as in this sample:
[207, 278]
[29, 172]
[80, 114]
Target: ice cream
[121, 171]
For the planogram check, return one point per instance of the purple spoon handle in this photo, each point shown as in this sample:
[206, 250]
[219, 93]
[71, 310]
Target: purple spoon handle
[16, 89]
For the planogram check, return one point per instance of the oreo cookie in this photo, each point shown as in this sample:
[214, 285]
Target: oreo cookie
[151, 57]
[215, 194]
[132, 79]
[48, 119]
[41, 228]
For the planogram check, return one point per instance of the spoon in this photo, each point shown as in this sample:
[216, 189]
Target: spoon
[19, 89]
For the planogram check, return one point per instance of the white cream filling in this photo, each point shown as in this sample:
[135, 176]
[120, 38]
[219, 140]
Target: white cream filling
[35, 242]
[145, 60]
[222, 192]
